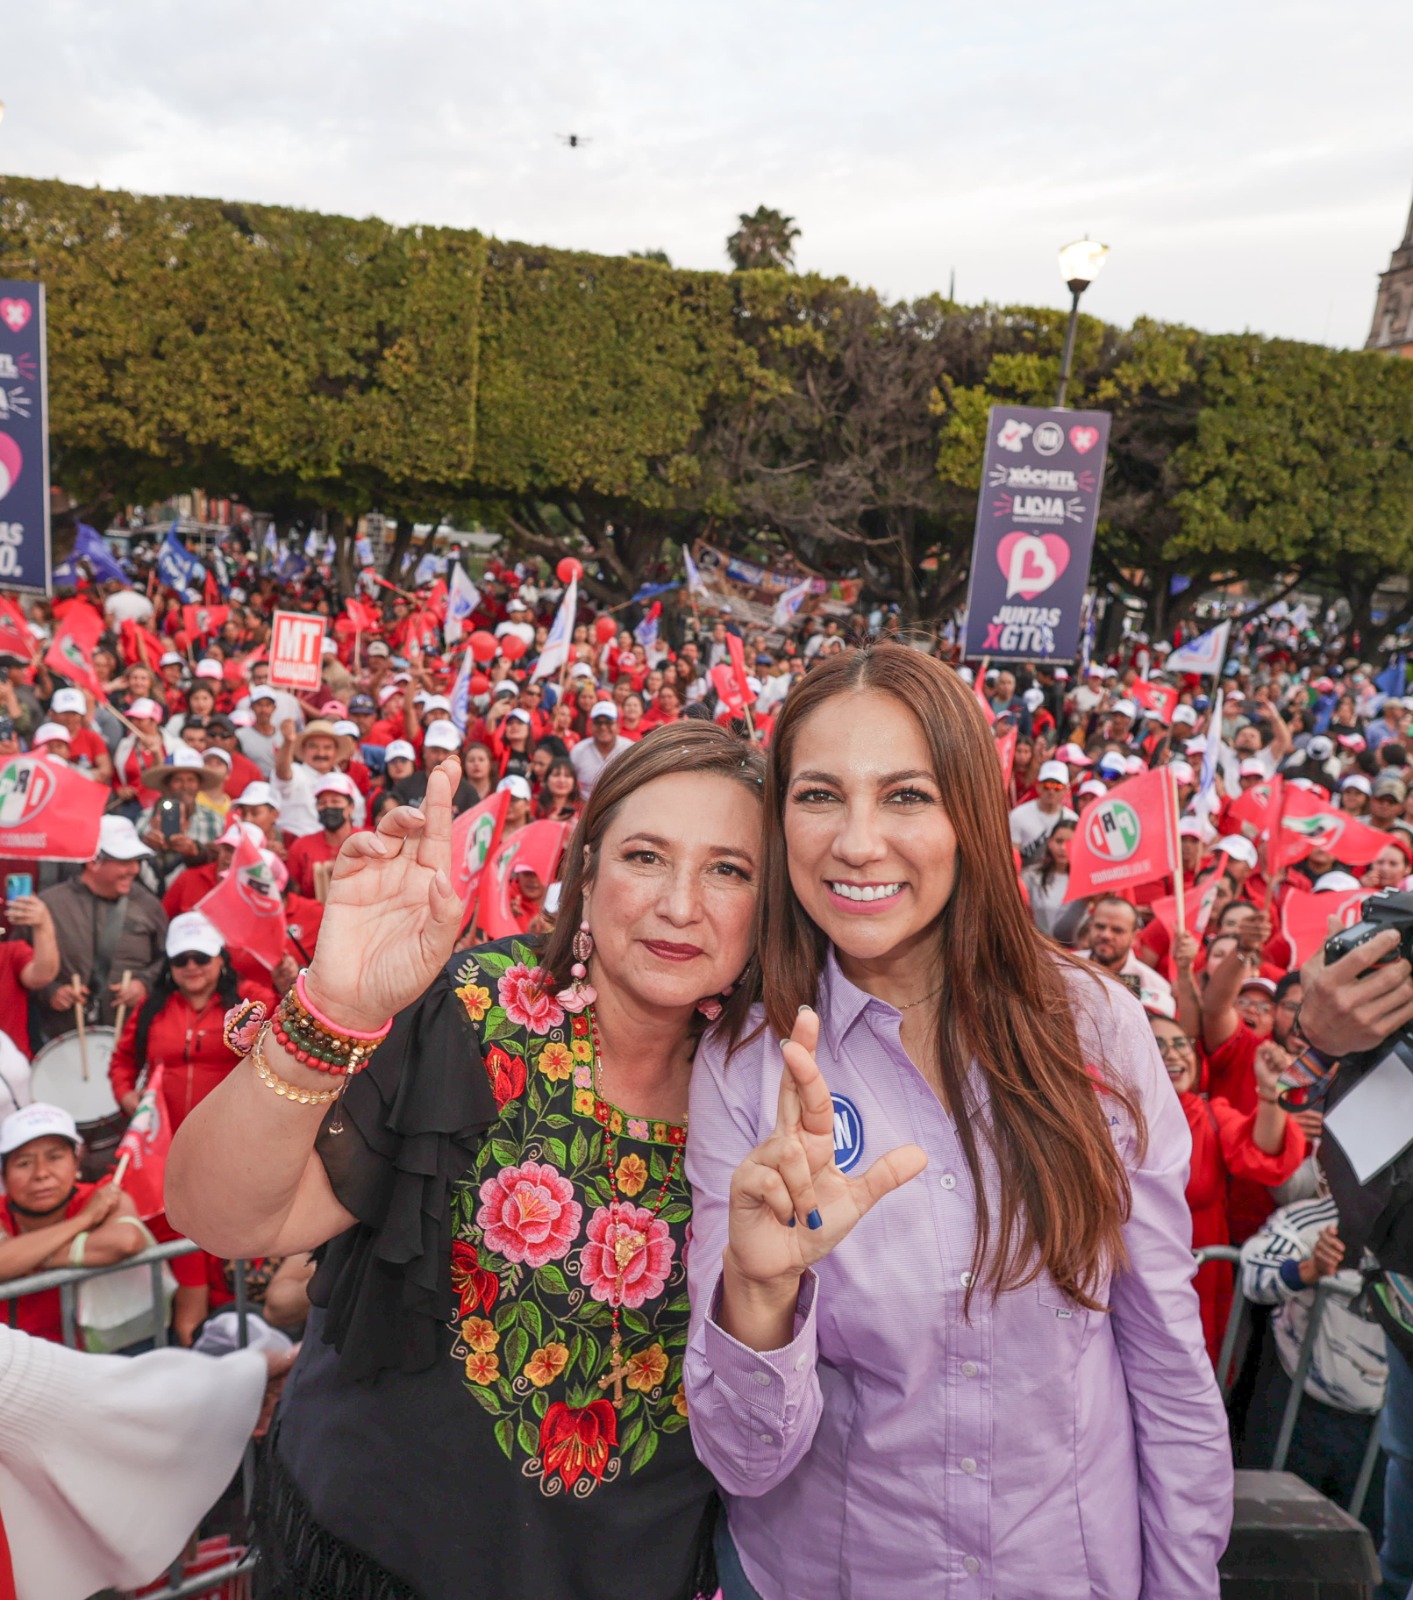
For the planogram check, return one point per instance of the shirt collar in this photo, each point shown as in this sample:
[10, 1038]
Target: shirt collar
[842, 1004]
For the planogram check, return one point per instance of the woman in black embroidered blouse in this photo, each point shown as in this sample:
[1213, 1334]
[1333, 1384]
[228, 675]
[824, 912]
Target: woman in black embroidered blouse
[489, 1398]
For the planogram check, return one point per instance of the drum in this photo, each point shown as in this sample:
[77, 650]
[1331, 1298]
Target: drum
[57, 1078]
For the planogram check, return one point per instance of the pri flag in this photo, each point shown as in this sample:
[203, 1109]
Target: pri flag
[1203, 655]
[1308, 820]
[535, 848]
[71, 652]
[1126, 838]
[48, 812]
[474, 836]
[140, 646]
[1305, 917]
[145, 1144]
[15, 638]
[202, 621]
[1006, 750]
[1159, 698]
[364, 616]
[246, 909]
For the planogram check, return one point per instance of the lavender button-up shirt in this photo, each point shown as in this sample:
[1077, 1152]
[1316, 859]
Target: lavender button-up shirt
[894, 1450]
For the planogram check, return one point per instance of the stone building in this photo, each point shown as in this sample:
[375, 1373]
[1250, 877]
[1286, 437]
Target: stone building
[1392, 330]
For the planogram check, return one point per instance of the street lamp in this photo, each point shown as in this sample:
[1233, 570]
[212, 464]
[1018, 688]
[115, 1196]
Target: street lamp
[1080, 264]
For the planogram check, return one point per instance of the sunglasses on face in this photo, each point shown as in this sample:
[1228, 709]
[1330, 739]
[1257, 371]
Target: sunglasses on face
[192, 958]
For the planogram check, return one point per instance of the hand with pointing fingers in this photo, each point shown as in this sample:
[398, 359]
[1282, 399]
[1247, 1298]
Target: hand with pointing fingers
[790, 1204]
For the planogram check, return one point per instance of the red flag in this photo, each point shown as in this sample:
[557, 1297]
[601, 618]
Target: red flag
[1156, 697]
[534, 848]
[1308, 820]
[145, 1144]
[984, 703]
[1305, 917]
[199, 621]
[474, 836]
[48, 811]
[140, 646]
[364, 615]
[1006, 750]
[15, 637]
[729, 689]
[246, 908]
[71, 652]
[436, 601]
[1125, 838]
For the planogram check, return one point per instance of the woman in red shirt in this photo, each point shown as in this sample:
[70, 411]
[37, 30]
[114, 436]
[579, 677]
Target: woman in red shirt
[1265, 1145]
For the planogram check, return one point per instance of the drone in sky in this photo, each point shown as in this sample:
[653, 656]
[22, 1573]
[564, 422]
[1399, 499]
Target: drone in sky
[573, 140]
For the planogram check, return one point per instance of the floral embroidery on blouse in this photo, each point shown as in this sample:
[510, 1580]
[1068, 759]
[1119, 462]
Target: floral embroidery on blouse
[537, 1233]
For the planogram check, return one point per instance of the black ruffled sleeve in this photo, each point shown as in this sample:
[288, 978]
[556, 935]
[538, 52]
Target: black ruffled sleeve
[410, 1126]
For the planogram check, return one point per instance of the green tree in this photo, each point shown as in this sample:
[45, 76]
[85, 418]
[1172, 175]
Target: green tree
[766, 238]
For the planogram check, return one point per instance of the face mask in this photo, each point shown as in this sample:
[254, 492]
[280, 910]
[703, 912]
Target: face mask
[330, 818]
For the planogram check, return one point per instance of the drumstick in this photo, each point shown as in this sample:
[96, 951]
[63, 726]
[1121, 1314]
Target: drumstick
[121, 1015]
[78, 1016]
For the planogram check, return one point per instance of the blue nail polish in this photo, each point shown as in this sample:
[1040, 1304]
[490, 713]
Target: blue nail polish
[814, 1220]
[792, 1222]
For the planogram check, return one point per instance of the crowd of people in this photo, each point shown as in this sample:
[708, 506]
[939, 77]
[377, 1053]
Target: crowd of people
[203, 756]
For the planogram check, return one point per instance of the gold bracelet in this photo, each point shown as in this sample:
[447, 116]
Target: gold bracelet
[289, 1091]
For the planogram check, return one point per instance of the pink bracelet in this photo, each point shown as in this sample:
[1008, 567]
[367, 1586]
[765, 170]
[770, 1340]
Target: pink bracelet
[302, 995]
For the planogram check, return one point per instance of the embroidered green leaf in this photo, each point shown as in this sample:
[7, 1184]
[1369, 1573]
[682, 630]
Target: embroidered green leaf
[678, 1307]
[539, 1404]
[581, 1350]
[506, 1315]
[529, 1439]
[579, 1149]
[494, 961]
[517, 1346]
[486, 1399]
[523, 954]
[552, 1279]
[595, 1315]
[634, 1321]
[530, 1320]
[644, 1452]
[674, 1423]
[504, 1390]
[680, 1212]
[503, 1153]
[657, 1166]
[629, 1437]
[554, 1149]
[556, 1120]
[499, 1027]
[505, 1433]
[582, 1395]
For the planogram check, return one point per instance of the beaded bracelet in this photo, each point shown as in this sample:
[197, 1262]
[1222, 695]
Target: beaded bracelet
[314, 1041]
[290, 1091]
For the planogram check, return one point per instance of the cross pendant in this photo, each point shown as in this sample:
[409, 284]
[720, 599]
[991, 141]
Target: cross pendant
[618, 1370]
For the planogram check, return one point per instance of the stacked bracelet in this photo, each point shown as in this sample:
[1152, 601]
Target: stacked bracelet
[315, 1041]
[287, 1090]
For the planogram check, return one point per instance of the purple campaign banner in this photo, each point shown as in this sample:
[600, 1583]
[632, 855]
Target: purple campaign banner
[1035, 517]
[24, 439]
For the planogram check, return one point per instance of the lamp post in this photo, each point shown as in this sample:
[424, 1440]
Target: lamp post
[1080, 264]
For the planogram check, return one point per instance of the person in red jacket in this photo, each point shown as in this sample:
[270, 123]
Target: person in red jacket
[1263, 1146]
[180, 1025]
[334, 797]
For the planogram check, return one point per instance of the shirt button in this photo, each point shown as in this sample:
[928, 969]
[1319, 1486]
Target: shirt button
[801, 1363]
[948, 1180]
[968, 1465]
[762, 1378]
[972, 1564]
[766, 1438]
[970, 1369]
[966, 1280]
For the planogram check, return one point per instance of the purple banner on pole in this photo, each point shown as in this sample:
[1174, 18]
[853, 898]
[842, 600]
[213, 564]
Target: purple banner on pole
[1035, 517]
[24, 439]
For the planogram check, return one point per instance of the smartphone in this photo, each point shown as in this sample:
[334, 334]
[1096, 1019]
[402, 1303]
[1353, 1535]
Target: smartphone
[18, 886]
[171, 814]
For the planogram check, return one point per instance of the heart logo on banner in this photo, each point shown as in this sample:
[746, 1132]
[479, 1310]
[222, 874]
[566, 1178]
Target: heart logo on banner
[1031, 563]
[14, 314]
[10, 463]
[1084, 439]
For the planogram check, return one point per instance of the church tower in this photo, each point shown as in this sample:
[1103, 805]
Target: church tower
[1392, 330]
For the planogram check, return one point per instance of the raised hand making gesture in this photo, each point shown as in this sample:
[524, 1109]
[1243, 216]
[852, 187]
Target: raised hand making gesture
[790, 1204]
[392, 914]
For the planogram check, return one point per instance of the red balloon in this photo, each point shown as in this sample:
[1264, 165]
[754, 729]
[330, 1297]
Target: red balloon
[483, 645]
[604, 629]
[569, 570]
[181, 641]
[512, 646]
[478, 683]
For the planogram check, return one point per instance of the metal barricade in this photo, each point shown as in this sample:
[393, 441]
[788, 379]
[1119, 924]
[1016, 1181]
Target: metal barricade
[66, 1280]
[1325, 1290]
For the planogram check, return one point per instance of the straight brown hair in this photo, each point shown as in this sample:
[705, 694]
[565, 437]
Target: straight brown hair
[1065, 1193]
[702, 748]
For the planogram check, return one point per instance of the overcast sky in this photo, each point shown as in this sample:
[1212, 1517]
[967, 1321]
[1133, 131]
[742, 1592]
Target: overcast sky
[1249, 163]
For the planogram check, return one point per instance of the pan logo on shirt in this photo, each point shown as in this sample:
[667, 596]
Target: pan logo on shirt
[848, 1134]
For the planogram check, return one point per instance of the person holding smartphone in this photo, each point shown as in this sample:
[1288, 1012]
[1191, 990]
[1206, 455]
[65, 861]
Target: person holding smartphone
[25, 964]
[181, 832]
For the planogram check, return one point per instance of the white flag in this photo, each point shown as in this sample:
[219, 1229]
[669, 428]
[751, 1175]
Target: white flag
[790, 602]
[1203, 655]
[556, 650]
[462, 599]
[694, 575]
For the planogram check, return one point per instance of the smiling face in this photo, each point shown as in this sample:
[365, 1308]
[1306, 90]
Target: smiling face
[872, 853]
[1179, 1056]
[673, 897]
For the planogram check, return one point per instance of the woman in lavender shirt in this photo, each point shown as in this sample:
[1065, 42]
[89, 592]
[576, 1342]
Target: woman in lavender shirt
[994, 1384]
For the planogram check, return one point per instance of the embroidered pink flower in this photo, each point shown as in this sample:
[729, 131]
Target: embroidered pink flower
[528, 1213]
[527, 1002]
[626, 1243]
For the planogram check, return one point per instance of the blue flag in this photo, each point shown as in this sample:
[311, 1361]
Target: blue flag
[292, 565]
[648, 590]
[461, 694]
[179, 569]
[270, 554]
[1392, 680]
[90, 546]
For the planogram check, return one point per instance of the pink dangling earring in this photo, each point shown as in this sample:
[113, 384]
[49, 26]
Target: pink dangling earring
[710, 1008]
[580, 993]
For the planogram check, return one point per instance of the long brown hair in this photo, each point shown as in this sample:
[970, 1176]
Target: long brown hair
[1064, 1190]
[701, 748]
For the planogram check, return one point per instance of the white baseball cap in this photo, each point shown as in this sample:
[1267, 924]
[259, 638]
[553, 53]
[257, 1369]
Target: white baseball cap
[1189, 828]
[336, 783]
[262, 692]
[505, 686]
[399, 750]
[966, 674]
[37, 1121]
[68, 700]
[605, 708]
[1185, 716]
[118, 840]
[515, 786]
[207, 668]
[435, 702]
[1356, 780]
[1238, 847]
[518, 715]
[387, 692]
[1336, 880]
[1182, 771]
[143, 707]
[170, 658]
[1053, 772]
[1251, 768]
[193, 931]
[329, 647]
[1123, 708]
[223, 756]
[441, 736]
[1073, 755]
[1093, 786]
[349, 730]
[239, 830]
[48, 733]
[258, 793]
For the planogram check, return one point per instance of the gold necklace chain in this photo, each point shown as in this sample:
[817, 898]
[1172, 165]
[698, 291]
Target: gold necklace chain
[931, 993]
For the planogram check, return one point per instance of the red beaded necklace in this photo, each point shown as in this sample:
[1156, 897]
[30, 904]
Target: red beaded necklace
[626, 1246]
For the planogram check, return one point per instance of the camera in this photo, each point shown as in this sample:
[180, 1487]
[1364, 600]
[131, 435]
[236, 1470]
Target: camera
[1389, 908]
